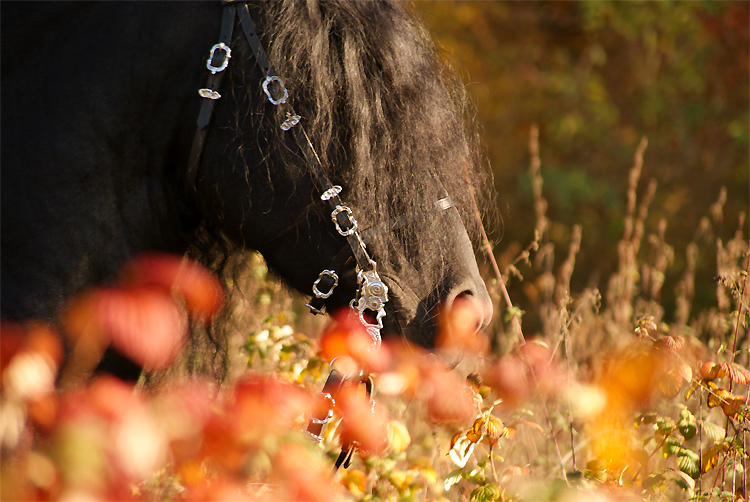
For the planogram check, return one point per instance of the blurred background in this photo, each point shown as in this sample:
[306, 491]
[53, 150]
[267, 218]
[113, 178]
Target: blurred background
[596, 77]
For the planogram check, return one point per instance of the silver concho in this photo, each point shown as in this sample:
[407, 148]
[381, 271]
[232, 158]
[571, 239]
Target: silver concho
[372, 295]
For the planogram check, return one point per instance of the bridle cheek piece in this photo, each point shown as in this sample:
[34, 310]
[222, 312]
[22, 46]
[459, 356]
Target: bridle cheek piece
[372, 293]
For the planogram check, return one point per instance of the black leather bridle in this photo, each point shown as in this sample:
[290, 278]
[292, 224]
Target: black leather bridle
[372, 293]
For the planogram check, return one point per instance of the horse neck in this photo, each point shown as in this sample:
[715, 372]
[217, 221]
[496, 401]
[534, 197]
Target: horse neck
[100, 124]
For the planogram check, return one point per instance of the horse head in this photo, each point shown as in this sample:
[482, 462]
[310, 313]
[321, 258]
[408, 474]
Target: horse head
[102, 161]
[373, 109]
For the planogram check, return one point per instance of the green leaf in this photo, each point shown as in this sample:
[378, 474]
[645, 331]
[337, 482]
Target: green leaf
[648, 418]
[671, 446]
[598, 476]
[513, 312]
[714, 432]
[486, 493]
[653, 482]
[683, 480]
[453, 478]
[689, 463]
[665, 426]
[596, 465]
[687, 428]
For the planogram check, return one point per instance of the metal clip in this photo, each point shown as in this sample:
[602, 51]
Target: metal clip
[340, 209]
[221, 46]
[291, 121]
[330, 273]
[209, 94]
[266, 83]
[331, 192]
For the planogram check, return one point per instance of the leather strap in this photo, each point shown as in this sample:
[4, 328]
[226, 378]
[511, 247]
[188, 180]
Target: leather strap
[207, 107]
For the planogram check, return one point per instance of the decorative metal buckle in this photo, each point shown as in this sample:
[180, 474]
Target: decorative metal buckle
[340, 209]
[291, 121]
[331, 192]
[209, 94]
[372, 295]
[267, 81]
[330, 273]
[221, 46]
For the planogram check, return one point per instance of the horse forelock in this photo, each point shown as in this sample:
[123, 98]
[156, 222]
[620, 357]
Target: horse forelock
[390, 119]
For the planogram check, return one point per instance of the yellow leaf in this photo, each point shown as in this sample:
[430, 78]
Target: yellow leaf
[514, 470]
[398, 436]
[429, 474]
[494, 427]
[355, 481]
[711, 457]
[454, 439]
[402, 479]
[670, 384]
[473, 435]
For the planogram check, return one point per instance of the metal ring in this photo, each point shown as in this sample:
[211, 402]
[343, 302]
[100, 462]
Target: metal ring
[330, 273]
[329, 415]
[312, 437]
[340, 209]
[267, 81]
[221, 46]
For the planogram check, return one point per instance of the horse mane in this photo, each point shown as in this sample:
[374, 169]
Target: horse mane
[389, 119]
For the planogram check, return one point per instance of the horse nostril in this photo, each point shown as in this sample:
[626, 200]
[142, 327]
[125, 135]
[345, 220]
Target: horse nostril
[467, 313]
[481, 305]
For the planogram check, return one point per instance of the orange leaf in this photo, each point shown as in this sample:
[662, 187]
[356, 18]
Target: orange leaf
[709, 371]
[455, 439]
[736, 373]
[711, 456]
[670, 384]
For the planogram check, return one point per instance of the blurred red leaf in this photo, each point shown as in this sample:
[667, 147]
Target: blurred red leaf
[347, 336]
[508, 377]
[303, 475]
[449, 399]
[363, 423]
[40, 337]
[12, 338]
[261, 405]
[143, 323]
[196, 284]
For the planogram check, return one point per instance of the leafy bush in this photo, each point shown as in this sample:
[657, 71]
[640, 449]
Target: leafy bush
[607, 401]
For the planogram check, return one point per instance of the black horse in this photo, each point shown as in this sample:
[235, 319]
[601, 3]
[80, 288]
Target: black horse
[99, 106]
